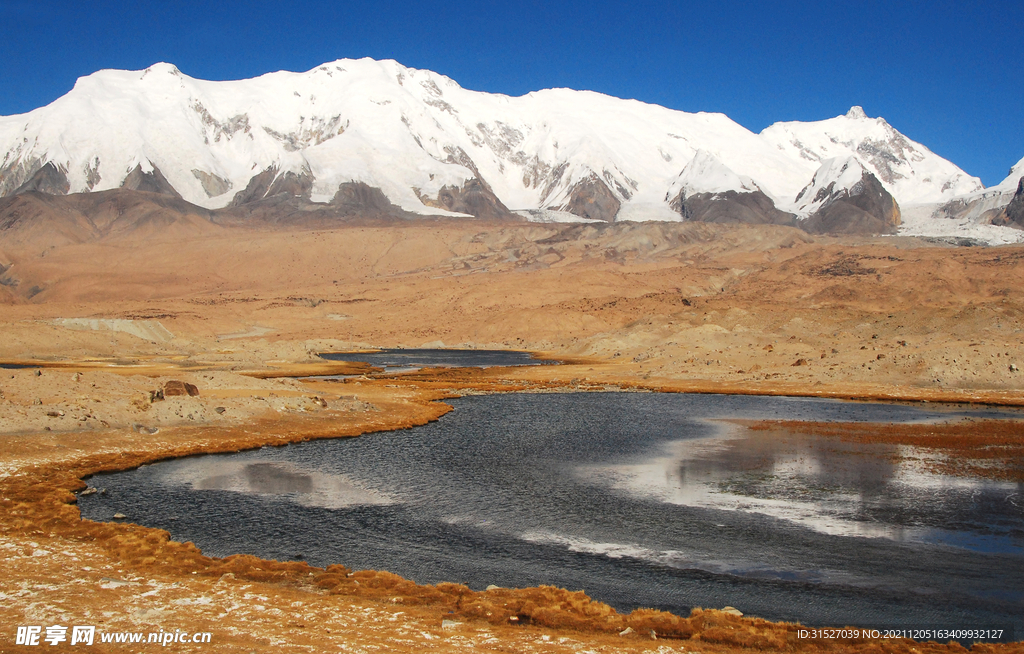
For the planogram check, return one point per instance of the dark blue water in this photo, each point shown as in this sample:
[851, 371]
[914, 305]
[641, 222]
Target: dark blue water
[641, 499]
[401, 359]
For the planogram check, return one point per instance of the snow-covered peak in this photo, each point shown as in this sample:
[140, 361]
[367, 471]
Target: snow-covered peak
[1013, 179]
[414, 133]
[705, 173]
[856, 111]
[909, 171]
[833, 178]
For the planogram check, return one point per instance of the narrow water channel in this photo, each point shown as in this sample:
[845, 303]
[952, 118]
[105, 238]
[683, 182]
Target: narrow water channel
[640, 499]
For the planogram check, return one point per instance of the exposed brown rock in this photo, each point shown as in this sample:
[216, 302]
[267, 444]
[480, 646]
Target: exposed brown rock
[176, 387]
[213, 185]
[731, 207]
[591, 198]
[257, 187]
[1013, 214]
[299, 185]
[867, 208]
[153, 182]
[474, 198]
[49, 179]
[353, 197]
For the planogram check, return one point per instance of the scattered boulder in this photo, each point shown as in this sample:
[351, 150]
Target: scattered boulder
[174, 388]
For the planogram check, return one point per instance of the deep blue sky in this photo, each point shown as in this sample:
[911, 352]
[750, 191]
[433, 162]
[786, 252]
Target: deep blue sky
[946, 74]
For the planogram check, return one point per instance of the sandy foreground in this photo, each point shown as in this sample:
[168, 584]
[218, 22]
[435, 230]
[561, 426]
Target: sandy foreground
[102, 326]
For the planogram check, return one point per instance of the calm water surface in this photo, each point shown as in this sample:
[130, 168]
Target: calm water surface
[402, 360]
[641, 499]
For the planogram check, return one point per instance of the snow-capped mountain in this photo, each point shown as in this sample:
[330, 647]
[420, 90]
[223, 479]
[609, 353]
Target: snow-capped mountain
[912, 173]
[430, 146]
[709, 191]
[983, 205]
[845, 197]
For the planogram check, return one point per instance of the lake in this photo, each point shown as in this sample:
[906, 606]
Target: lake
[640, 499]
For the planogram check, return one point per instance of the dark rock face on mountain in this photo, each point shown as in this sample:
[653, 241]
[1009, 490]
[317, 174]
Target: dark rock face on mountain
[49, 179]
[269, 183]
[591, 198]
[865, 208]
[358, 197]
[256, 189]
[1013, 214]
[474, 198]
[754, 208]
[152, 182]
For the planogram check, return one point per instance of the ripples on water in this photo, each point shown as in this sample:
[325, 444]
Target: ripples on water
[639, 499]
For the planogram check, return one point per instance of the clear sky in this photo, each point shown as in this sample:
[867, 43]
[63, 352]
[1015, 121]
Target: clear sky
[946, 74]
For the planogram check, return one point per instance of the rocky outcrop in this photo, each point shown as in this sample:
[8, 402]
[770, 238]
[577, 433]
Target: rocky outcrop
[176, 387]
[269, 184]
[591, 198]
[845, 198]
[753, 208]
[213, 185]
[256, 189]
[358, 197]
[866, 208]
[49, 179]
[474, 198]
[1013, 214]
[152, 182]
[298, 184]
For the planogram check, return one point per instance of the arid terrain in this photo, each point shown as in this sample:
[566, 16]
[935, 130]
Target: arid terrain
[100, 325]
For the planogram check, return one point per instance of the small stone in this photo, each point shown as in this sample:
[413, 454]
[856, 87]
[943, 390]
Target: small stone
[39, 373]
[88, 491]
[1013, 368]
[493, 587]
[449, 625]
[119, 516]
[732, 611]
[220, 409]
[626, 631]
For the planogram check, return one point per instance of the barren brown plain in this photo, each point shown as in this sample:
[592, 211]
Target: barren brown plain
[241, 314]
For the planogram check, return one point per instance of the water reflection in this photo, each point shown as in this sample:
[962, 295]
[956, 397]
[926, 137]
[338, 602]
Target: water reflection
[833, 486]
[279, 479]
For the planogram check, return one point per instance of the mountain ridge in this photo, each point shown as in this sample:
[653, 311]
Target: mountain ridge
[429, 146]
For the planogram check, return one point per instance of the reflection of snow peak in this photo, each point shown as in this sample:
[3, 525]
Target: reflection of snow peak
[329, 491]
[688, 475]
